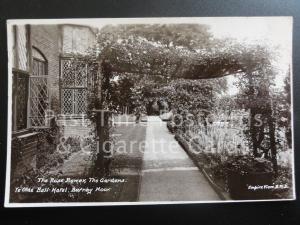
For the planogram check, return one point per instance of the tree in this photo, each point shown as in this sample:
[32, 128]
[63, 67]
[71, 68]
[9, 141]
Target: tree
[255, 85]
[282, 111]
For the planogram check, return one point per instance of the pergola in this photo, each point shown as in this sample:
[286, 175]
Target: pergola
[143, 57]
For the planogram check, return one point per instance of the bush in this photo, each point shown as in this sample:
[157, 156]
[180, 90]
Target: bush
[245, 164]
[244, 173]
[171, 126]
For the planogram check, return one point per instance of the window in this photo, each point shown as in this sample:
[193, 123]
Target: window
[39, 66]
[38, 89]
[74, 83]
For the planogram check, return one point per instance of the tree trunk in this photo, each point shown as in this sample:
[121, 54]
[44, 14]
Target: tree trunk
[253, 132]
[102, 121]
[273, 143]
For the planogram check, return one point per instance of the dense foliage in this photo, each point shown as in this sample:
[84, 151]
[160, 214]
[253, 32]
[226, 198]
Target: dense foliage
[149, 64]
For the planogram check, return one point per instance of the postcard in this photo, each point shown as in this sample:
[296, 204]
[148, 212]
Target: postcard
[126, 111]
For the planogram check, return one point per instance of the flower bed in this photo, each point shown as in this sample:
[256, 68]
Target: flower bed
[236, 173]
[249, 177]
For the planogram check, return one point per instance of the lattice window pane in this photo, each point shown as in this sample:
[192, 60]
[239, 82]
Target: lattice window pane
[74, 86]
[38, 100]
[68, 75]
[67, 103]
[81, 75]
[80, 101]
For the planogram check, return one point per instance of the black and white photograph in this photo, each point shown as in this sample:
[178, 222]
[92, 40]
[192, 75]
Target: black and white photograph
[149, 111]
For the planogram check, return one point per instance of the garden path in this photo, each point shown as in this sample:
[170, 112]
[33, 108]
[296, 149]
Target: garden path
[168, 174]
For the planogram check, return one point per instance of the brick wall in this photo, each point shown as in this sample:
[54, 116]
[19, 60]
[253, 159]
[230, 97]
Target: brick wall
[54, 40]
[47, 39]
[77, 39]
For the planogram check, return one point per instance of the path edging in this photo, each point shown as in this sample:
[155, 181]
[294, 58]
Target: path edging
[222, 195]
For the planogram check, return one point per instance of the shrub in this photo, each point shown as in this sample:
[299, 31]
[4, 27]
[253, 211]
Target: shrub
[245, 164]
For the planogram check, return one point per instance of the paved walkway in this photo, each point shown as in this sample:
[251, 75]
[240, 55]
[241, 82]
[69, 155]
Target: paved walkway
[168, 173]
[77, 165]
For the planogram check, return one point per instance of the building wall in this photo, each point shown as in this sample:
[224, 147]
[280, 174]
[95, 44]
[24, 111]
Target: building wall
[60, 40]
[47, 39]
[77, 39]
[50, 40]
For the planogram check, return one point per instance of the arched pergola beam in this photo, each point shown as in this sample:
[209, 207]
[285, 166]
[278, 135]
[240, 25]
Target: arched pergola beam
[193, 72]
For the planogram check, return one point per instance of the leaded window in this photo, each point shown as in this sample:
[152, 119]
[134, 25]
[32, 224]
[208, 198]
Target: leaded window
[73, 86]
[38, 90]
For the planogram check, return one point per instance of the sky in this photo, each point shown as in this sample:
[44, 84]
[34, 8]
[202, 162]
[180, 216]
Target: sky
[273, 31]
